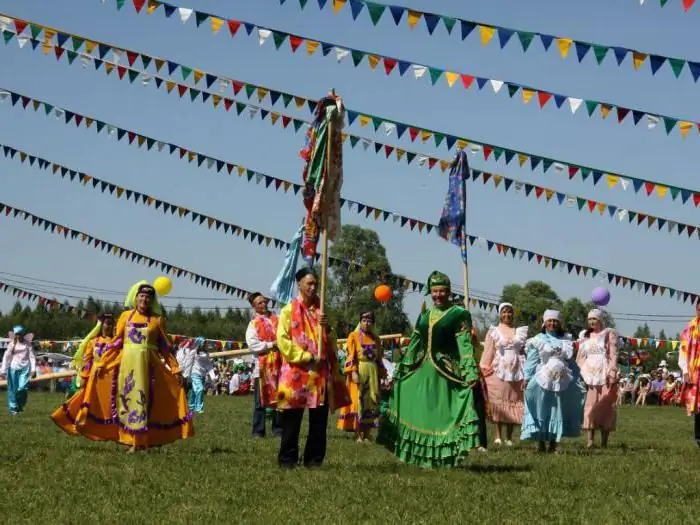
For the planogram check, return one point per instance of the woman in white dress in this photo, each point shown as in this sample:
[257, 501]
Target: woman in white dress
[502, 368]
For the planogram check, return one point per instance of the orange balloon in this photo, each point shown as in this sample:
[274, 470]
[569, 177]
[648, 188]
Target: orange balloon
[382, 293]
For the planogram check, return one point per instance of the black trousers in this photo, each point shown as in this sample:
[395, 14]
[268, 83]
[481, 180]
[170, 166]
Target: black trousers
[315, 449]
[480, 407]
[259, 414]
[697, 428]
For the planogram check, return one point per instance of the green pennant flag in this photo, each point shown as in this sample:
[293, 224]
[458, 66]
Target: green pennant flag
[497, 152]
[357, 57]
[239, 107]
[663, 2]
[71, 56]
[585, 173]
[449, 23]
[36, 30]
[590, 106]
[525, 38]
[674, 192]
[376, 122]
[631, 215]
[677, 65]
[298, 124]
[375, 11]
[286, 99]
[146, 61]
[7, 35]
[77, 43]
[200, 17]
[600, 52]
[193, 94]
[580, 202]
[120, 4]
[435, 74]
[133, 75]
[278, 38]
[354, 140]
[249, 90]
[410, 156]
[512, 89]
[186, 72]
[48, 108]
[439, 137]
[302, 3]
[669, 124]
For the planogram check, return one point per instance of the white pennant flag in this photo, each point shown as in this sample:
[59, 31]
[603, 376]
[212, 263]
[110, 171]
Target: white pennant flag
[263, 35]
[145, 79]
[210, 162]
[258, 178]
[422, 160]
[117, 55]
[395, 217]
[574, 104]
[59, 113]
[366, 143]
[185, 13]
[559, 166]
[223, 85]
[4, 95]
[419, 71]
[475, 148]
[5, 23]
[496, 85]
[389, 127]
[340, 54]
[253, 111]
[86, 60]
[621, 214]
[22, 40]
[625, 183]
[160, 145]
[570, 201]
[652, 121]
[111, 130]
[671, 226]
[519, 187]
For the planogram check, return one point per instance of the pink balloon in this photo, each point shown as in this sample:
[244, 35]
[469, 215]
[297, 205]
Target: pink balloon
[600, 296]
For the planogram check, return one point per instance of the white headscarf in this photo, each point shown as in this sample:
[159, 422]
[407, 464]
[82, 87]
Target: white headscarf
[551, 315]
[596, 314]
[504, 305]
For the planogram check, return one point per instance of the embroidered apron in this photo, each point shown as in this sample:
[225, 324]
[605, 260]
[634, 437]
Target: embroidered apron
[134, 379]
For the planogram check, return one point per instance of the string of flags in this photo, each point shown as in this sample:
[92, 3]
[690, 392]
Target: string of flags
[486, 32]
[687, 4]
[540, 193]
[260, 239]
[489, 151]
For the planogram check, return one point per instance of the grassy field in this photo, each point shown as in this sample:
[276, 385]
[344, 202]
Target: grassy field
[223, 476]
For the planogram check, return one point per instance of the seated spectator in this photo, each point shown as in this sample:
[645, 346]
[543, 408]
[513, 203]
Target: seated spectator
[643, 391]
[628, 390]
[657, 387]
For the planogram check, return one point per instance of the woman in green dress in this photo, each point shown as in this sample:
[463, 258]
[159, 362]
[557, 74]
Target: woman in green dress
[430, 418]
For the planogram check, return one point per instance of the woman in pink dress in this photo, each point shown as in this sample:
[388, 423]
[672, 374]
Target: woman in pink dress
[597, 359]
[501, 366]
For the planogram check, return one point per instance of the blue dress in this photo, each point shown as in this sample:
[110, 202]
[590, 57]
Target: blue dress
[553, 397]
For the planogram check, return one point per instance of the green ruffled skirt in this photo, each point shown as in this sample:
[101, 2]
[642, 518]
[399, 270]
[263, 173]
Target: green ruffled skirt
[428, 420]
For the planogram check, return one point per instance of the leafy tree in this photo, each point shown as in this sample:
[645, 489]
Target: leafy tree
[351, 291]
[530, 301]
[643, 332]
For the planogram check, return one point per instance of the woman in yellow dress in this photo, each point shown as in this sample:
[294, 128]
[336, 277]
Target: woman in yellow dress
[89, 412]
[363, 369]
[151, 405]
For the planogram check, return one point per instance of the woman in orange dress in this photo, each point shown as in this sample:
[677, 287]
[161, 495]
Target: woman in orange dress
[89, 412]
[364, 370]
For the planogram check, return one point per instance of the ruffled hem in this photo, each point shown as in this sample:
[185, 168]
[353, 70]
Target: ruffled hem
[428, 451]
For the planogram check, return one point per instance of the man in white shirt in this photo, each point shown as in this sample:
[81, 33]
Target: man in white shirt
[195, 363]
[261, 338]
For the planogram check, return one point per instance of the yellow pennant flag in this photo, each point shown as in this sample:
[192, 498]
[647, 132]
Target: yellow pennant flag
[90, 46]
[462, 144]
[527, 95]
[377, 214]
[48, 38]
[425, 135]
[364, 120]
[444, 165]
[564, 45]
[612, 180]
[638, 59]
[274, 117]
[311, 47]
[522, 159]
[413, 18]
[241, 170]
[109, 67]
[373, 61]
[150, 201]
[601, 208]
[548, 194]
[661, 190]
[605, 110]
[262, 93]
[486, 33]
[299, 102]
[169, 85]
[216, 100]
[685, 128]
[338, 5]
[399, 154]
[216, 24]
[120, 192]
[651, 220]
[451, 78]
[152, 6]
[497, 180]
[198, 75]
[86, 179]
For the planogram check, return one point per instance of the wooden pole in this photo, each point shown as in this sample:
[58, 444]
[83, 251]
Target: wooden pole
[225, 353]
[324, 240]
[465, 278]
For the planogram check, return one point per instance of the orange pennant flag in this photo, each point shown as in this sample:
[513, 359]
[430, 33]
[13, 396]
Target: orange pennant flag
[564, 45]
[685, 128]
[638, 59]
[413, 18]
[311, 47]
[216, 24]
[486, 33]
[338, 5]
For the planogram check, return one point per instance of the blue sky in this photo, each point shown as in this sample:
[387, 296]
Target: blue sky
[510, 218]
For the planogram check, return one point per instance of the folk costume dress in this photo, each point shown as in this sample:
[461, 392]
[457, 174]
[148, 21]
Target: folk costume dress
[261, 338]
[19, 365]
[307, 381]
[364, 357]
[553, 398]
[430, 419]
[597, 360]
[502, 367]
[89, 412]
[689, 363]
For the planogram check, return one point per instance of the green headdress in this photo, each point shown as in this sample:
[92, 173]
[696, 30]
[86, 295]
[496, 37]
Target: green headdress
[437, 279]
[130, 301]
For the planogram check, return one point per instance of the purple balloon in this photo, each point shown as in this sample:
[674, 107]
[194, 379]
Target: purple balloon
[600, 296]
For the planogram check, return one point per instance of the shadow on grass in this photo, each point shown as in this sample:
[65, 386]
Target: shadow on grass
[496, 469]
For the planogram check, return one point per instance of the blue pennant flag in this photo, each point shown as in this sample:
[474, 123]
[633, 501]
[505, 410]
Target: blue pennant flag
[282, 289]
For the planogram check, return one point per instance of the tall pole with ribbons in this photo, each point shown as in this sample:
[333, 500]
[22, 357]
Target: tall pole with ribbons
[323, 180]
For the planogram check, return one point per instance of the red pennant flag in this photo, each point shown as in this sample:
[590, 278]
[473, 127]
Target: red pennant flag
[431, 162]
[233, 27]
[539, 259]
[295, 42]
[539, 191]
[487, 152]
[182, 90]
[131, 57]
[696, 199]
[285, 121]
[20, 25]
[389, 65]
[138, 5]
[413, 133]
[649, 186]
[237, 86]
[228, 103]
[59, 52]
[591, 206]
[573, 170]
[467, 80]
[388, 150]
[543, 98]
[687, 4]
[121, 71]
[621, 114]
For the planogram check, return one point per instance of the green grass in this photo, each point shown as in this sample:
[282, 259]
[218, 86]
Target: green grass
[223, 476]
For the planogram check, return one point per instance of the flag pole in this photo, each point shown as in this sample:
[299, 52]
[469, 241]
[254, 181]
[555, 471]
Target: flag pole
[324, 237]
